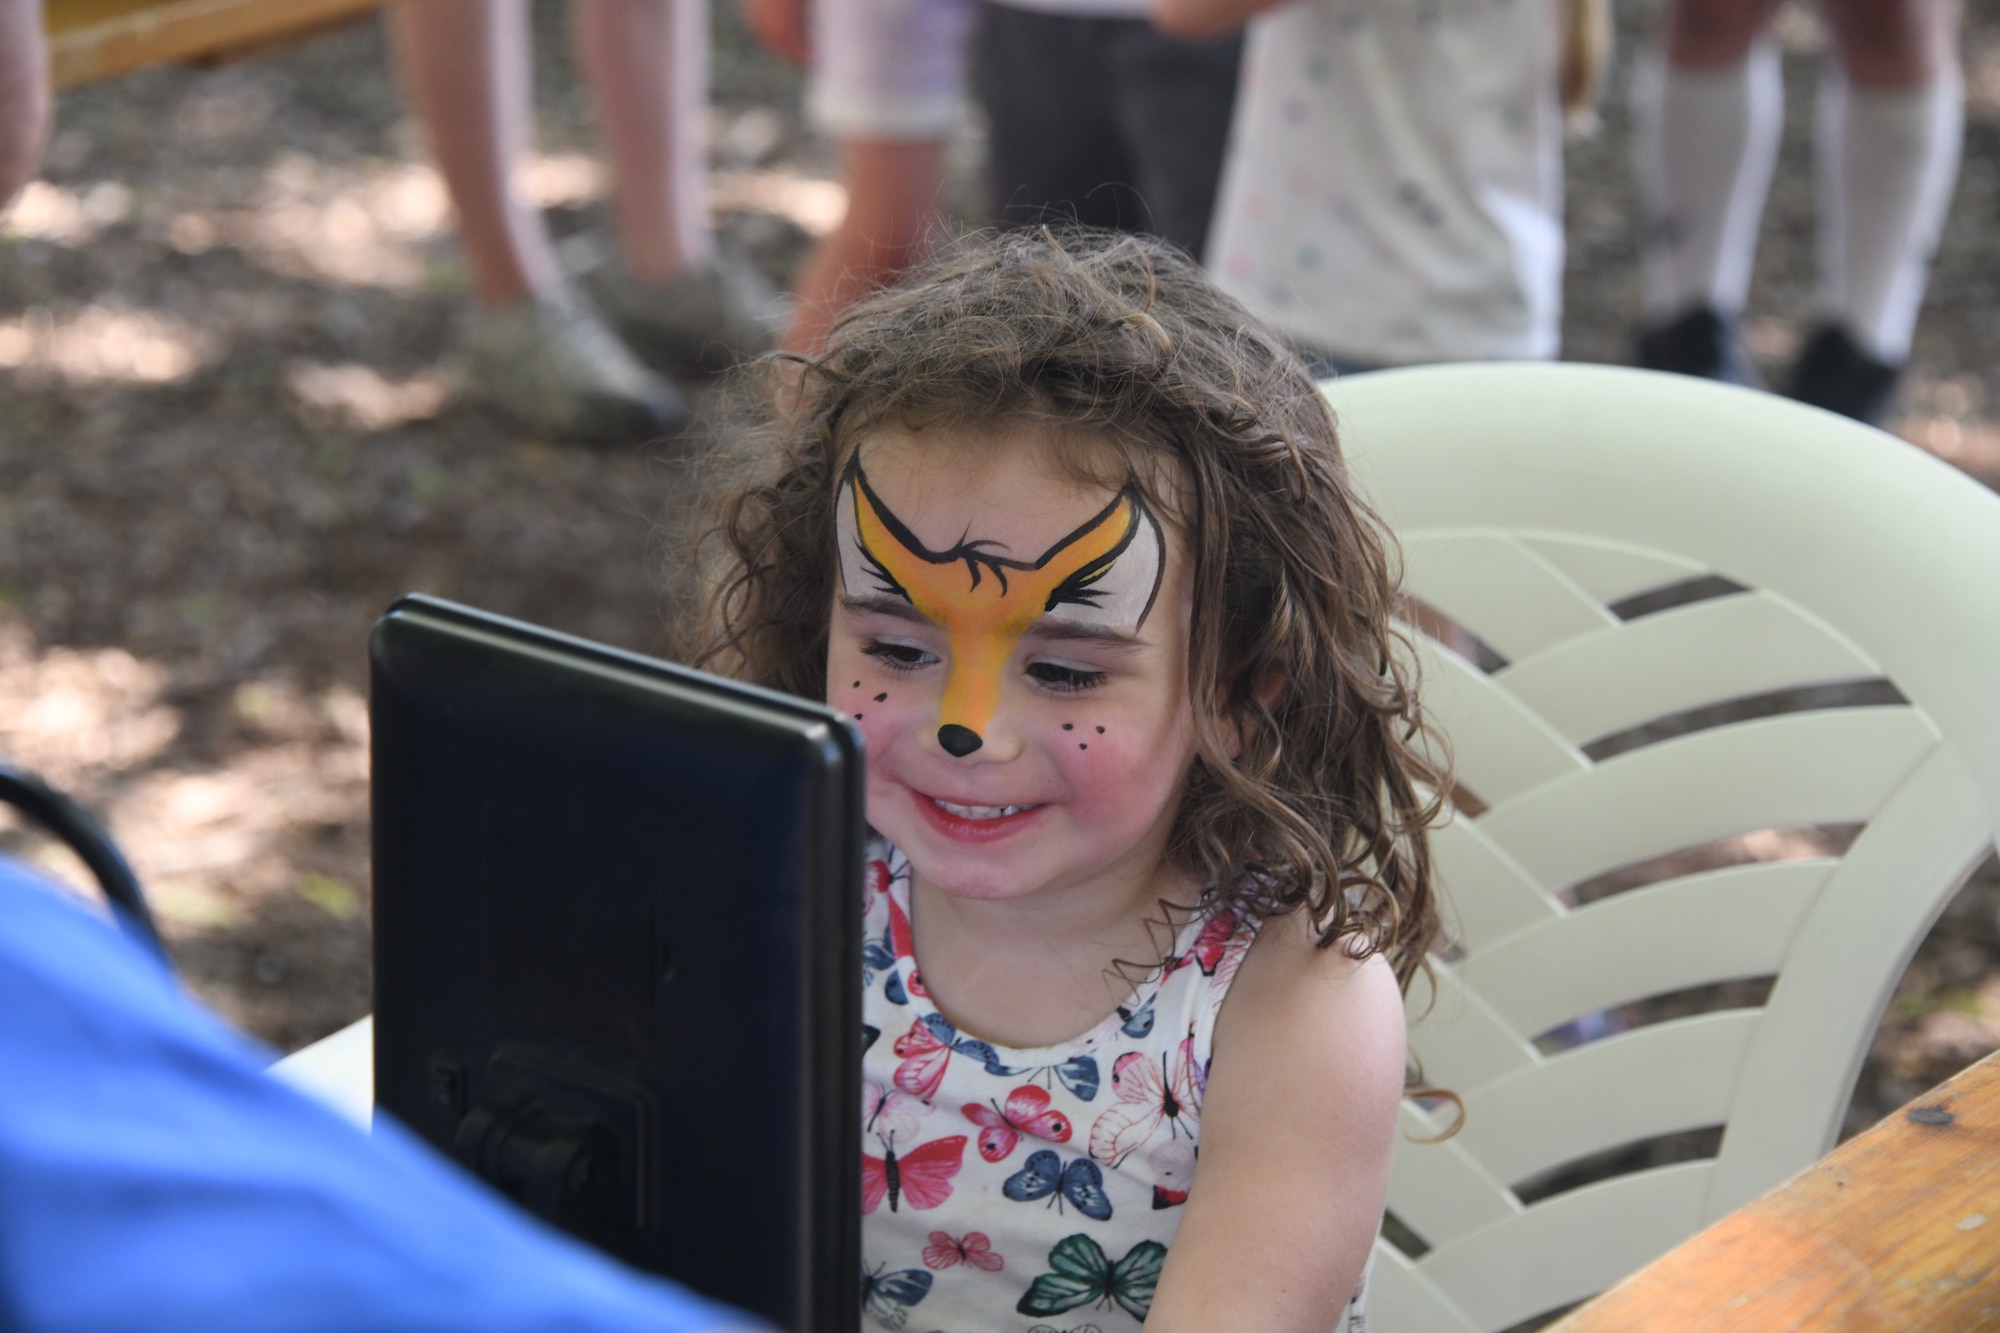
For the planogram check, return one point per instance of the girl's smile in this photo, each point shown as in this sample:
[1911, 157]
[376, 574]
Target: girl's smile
[1022, 737]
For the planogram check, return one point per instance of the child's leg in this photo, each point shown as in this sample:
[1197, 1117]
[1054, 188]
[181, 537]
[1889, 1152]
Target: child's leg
[647, 62]
[1174, 103]
[534, 350]
[887, 85]
[1890, 124]
[24, 94]
[465, 67]
[1708, 118]
[893, 190]
[1054, 147]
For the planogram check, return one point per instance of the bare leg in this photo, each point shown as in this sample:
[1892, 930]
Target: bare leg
[893, 201]
[1893, 43]
[647, 61]
[1706, 34]
[465, 67]
[24, 94]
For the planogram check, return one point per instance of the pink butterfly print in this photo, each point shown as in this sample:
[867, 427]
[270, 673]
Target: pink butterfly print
[1211, 947]
[922, 1175]
[876, 880]
[975, 1249]
[1173, 1170]
[926, 1050]
[1149, 1093]
[1027, 1112]
[890, 1112]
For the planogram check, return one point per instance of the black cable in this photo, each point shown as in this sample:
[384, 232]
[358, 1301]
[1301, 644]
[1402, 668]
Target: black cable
[82, 834]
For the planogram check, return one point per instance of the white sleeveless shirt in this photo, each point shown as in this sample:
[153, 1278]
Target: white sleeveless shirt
[1393, 188]
[1009, 1190]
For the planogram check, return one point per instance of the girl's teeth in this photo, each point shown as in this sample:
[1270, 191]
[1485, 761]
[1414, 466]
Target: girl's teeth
[982, 811]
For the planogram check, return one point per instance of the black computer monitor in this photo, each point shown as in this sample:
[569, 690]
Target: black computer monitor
[617, 949]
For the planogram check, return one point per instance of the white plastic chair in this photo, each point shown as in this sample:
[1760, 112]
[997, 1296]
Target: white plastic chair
[1533, 501]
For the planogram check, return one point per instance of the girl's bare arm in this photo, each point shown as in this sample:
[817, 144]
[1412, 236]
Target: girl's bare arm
[1296, 1130]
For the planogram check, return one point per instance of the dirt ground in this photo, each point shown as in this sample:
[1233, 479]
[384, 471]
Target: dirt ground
[230, 435]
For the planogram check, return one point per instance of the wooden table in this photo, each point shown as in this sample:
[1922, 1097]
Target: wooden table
[98, 39]
[1896, 1229]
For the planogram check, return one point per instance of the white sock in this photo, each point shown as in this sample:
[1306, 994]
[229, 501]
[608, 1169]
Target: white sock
[1704, 146]
[1885, 163]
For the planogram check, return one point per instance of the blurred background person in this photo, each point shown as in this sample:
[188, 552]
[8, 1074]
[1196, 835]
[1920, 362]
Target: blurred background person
[1709, 106]
[536, 347]
[886, 84]
[1393, 192]
[1096, 115]
[24, 94]
[1092, 115]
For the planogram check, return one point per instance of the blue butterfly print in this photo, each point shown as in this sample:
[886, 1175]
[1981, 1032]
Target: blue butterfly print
[1078, 1074]
[1081, 1183]
[889, 1296]
[946, 1034]
[1138, 1022]
[880, 956]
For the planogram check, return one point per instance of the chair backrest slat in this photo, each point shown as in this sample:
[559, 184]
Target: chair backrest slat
[1500, 747]
[1663, 1079]
[1832, 767]
[1581, 964]
[1566, 1248]
[1685, 658]
[1522, 604]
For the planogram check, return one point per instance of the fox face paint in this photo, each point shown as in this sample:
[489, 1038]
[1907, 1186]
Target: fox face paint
[1105, 574]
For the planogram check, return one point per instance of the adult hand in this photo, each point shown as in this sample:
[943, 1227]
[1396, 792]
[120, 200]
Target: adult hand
[782, 27]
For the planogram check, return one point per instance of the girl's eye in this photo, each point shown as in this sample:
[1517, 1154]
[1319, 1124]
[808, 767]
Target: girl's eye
[898, 656]
[1054, 677]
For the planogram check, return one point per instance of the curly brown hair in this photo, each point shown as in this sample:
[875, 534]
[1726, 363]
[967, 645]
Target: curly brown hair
[1094, 338]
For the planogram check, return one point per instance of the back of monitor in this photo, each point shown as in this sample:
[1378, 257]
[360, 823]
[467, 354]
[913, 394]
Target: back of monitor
[617, 911]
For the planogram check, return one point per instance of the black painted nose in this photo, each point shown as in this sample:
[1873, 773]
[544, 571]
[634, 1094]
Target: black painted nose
[958, 741]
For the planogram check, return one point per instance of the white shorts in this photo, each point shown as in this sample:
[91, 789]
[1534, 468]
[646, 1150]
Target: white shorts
[888, 69]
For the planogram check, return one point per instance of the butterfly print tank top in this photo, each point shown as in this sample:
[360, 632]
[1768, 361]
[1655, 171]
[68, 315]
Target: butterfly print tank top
[1008, 1190]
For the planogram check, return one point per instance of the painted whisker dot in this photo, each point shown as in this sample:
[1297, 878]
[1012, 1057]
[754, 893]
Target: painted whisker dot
[1100, 731]
[1082, 745]
[1069, 726]
[880, 697]
[857, 684]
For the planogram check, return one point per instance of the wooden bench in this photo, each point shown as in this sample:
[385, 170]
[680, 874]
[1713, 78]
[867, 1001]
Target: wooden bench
[101, 39]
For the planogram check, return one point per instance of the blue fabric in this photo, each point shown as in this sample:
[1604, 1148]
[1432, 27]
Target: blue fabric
[153, 1177]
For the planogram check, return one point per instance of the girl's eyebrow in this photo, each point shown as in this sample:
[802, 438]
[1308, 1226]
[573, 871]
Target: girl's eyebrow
[1068, 631]
[896, 608]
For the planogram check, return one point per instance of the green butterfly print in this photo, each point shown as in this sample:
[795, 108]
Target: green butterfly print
[1083, 1275]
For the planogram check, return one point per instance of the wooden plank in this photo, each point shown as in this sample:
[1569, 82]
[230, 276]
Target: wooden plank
[1897, 1229]
[100, 39]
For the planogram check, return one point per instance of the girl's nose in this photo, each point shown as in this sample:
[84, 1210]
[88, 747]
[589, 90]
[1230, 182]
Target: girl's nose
[958, 741]
[997, 741]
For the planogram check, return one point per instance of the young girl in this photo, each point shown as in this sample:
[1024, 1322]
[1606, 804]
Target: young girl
[1070, 537]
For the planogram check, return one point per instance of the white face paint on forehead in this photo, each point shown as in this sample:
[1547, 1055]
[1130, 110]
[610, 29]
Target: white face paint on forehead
[1103, 574]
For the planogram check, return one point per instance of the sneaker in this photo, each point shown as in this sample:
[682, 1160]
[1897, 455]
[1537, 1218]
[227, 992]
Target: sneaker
[1701, 343]
[553, 367]
[1834, 373]
[707, 318]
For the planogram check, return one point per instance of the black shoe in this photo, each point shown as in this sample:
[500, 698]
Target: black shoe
[1834, 373]
[1700, 343]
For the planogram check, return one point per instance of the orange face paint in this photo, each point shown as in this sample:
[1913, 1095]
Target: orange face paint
[1106, 572]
